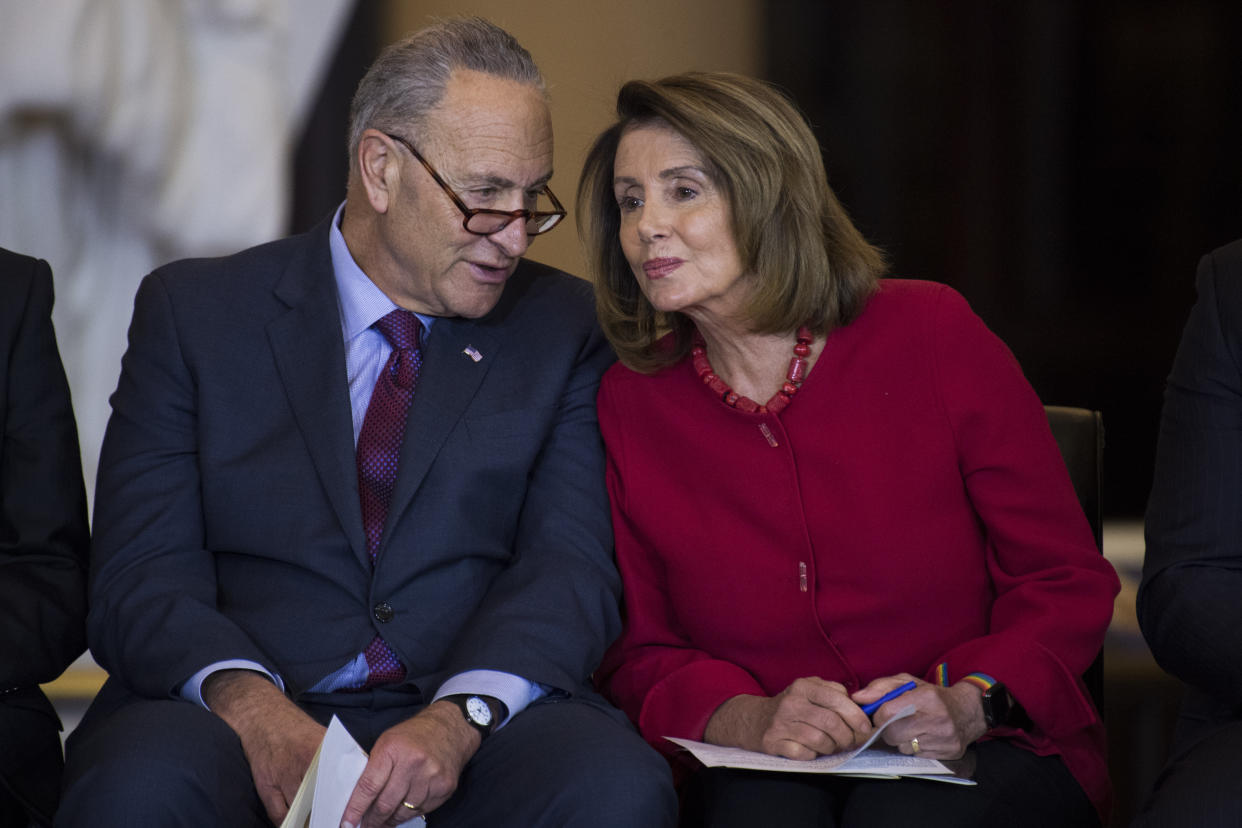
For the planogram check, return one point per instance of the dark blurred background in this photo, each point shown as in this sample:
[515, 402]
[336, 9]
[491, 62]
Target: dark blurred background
[1062, 163]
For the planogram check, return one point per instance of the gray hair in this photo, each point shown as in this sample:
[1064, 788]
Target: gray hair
[408, 79]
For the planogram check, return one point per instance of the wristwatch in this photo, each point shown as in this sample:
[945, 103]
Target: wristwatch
[1001, 709]
[477, 711]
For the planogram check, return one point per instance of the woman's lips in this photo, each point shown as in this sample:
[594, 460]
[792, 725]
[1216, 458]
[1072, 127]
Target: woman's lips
[659, 268]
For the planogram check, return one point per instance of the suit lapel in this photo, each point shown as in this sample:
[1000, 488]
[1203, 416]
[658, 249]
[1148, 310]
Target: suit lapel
[310, 357]
[449, 380]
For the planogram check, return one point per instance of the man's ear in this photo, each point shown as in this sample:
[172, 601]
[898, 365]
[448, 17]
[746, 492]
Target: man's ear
[379, 169]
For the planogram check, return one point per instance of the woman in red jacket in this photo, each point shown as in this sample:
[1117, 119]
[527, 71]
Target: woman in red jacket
[824, 486]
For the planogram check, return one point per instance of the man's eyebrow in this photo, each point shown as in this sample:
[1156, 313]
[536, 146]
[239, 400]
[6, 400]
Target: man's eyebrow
[500, 182]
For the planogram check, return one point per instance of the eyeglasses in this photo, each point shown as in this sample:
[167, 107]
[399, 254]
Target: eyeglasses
[484, 222]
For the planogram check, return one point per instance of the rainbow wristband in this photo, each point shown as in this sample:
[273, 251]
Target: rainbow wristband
[981, 680]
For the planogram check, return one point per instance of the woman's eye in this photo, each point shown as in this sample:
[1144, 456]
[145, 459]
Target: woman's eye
[684, 193]
[628, 203]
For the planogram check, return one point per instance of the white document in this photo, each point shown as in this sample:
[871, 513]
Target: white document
[883, 763]
[329, 781]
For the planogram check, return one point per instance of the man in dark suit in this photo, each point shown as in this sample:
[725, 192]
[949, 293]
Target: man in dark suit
[282, 535]
[1188, 602]
[43, 541]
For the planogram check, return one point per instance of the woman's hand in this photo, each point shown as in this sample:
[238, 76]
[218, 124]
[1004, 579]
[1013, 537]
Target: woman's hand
[809, 718]
[947, 720]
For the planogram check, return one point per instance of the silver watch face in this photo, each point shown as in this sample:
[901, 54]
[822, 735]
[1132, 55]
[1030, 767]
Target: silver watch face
[478, 711]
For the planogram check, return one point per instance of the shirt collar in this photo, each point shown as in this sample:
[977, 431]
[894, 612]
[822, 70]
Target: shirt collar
[362, 302]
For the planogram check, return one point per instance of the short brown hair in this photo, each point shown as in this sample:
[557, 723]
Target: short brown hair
[813, 265]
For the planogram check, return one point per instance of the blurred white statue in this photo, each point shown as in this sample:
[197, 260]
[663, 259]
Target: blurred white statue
[134, 132]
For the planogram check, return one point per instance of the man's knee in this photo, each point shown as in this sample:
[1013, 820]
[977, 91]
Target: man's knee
[125, 789]
[573, 764]
[626, 783]
[1199, 785]
[156, 763]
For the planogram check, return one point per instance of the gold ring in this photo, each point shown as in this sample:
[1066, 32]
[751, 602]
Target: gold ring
[914, 745]
[411, 807]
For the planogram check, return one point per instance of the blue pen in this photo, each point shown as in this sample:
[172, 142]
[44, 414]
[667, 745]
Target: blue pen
[889, 696]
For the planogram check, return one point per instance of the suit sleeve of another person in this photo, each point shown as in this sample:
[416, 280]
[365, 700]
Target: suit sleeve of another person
[1192, 574]
[43, 531]
[1053, 589]
[549, 615]
[153, 618]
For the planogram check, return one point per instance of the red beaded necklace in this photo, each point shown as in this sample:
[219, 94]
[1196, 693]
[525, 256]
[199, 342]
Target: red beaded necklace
[793, 377]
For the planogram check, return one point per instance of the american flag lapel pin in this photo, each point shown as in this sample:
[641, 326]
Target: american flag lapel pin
[472, 352]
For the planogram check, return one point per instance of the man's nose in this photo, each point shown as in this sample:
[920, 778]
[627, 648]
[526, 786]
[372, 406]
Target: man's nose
[512, 238]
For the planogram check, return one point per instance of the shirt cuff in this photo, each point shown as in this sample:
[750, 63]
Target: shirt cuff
[515, 691]
[192, 690]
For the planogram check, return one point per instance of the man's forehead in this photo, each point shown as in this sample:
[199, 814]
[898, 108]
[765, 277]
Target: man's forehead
[491, 107]
[487, 128]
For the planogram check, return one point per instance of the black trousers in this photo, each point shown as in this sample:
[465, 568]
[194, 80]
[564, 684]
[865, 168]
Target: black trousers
[1015, 789]
[561, 762]
[12, 814]
[1201, 785]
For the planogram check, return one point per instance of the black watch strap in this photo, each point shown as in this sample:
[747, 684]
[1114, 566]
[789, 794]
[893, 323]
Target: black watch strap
[1001, 709]
[995, 705]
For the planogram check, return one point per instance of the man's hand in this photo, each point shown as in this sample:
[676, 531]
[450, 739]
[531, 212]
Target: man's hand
[946, 721]
[809, 718]
[279, 739]
[417, 761]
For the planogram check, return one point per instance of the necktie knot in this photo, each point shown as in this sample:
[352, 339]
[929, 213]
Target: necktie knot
[402, 329]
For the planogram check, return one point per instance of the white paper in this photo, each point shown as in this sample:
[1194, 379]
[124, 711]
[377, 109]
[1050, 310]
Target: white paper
[882, 763]
[329, 781]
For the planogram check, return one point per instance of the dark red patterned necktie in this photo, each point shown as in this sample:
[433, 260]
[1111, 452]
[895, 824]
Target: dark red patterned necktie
[379, 450]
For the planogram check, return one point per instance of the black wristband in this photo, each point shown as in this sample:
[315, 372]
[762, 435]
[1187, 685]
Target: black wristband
[1001, 709]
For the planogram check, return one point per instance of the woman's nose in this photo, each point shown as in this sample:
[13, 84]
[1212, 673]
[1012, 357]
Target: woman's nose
[652, 222]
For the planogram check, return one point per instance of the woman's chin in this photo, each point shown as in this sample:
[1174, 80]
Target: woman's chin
[664, 303]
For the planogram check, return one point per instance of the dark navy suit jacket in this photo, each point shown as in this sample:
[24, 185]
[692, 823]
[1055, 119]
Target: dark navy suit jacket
[1188, 603]
[43, 534]
[227, 518]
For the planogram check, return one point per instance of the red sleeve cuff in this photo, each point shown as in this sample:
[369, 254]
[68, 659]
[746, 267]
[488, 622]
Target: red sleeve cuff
[1054, 698]
[682, 703]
